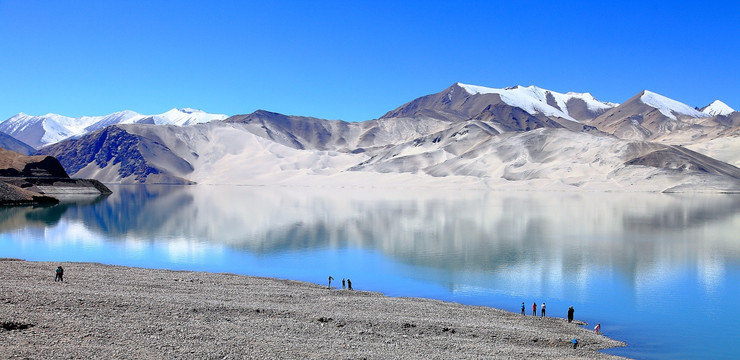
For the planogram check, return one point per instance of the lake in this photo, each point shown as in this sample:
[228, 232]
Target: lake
[658, 271]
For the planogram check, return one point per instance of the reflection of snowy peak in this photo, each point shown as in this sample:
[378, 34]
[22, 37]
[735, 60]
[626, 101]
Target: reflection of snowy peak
[670, 107]
[535, 100]
[42, 130]
[717, 108]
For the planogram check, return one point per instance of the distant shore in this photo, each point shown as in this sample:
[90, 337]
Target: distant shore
[103, 311]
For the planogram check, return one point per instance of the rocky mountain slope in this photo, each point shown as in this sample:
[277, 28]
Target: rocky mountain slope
[521, 137]
[712, 130]
[463, 101]
[647, 116]
[10, 143]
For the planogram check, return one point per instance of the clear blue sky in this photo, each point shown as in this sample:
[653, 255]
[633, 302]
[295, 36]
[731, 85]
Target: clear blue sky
[354, 60]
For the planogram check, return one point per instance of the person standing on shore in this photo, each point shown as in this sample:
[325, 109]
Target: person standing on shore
[349, 284]
[597, 328]
[570, 314]
[343, 284]
[60, 274]
[534, 309]
[522, 307]
[330, 279]
[543, 309]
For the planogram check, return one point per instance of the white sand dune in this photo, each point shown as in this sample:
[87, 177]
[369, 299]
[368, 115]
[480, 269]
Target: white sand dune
[469, 155]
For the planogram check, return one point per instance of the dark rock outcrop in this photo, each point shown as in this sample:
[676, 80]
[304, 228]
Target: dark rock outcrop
[14, 195]
[30, 166]
[31, 179]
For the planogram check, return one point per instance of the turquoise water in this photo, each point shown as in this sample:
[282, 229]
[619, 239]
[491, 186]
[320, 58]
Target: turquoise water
[658, 271]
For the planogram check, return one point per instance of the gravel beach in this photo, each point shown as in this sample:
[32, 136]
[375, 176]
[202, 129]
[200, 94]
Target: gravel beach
[113, 312]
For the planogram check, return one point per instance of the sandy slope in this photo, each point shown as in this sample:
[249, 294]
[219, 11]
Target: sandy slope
[118, 312]
[468, 155]
[726, 149]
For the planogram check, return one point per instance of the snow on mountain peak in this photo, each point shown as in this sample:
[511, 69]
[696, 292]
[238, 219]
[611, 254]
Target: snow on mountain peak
[186, 116]
[47, 129]
[717, 108]
[172, 112]
[534, 100]
[17, 117]
[669, 107]
[125, 113]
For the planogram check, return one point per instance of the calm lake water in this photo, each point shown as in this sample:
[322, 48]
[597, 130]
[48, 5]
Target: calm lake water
[659, 271]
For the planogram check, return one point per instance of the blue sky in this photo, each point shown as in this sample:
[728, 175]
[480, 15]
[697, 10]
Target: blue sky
[353, 60]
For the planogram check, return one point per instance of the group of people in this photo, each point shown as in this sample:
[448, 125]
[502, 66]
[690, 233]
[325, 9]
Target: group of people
[597, 328]
[534, 309]
[346, 284]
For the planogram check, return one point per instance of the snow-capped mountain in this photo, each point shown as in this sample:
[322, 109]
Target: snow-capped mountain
[717, 108]
[465, 135]
[651, 116]
[535, 100]
[669, 107]
[120, 117]
[39, 131]
[462, 101]
[185, 117]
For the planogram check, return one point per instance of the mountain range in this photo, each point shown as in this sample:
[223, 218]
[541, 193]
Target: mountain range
[39, 131]
[464, 136]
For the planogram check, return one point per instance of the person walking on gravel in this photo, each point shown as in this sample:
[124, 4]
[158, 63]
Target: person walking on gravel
[60, 274]
[522, 307]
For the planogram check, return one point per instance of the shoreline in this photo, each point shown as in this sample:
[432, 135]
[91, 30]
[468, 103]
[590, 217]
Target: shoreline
[110, 311]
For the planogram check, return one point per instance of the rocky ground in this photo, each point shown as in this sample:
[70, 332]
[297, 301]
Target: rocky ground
[14, 195]
[113, 312]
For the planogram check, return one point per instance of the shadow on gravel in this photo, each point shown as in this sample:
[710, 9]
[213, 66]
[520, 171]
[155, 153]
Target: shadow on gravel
[11, 325]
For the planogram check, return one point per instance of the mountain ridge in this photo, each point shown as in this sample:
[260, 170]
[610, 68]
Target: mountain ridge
[457, 102]
[519, 137]
[717, 107]
[39, 131]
